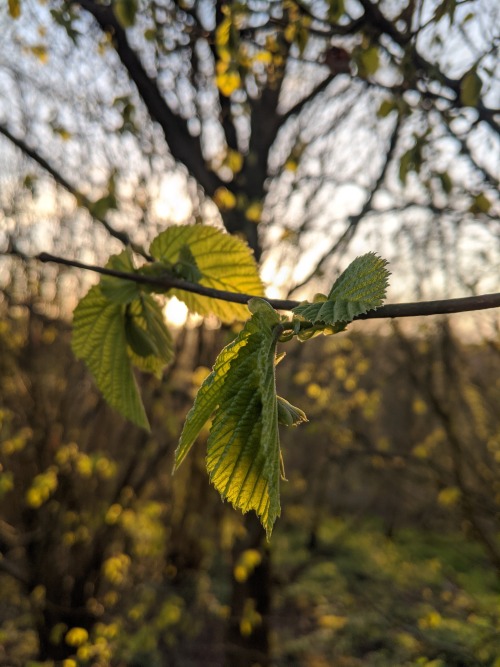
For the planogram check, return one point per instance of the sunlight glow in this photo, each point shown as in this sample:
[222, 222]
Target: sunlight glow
[176, 312]
[173, 203]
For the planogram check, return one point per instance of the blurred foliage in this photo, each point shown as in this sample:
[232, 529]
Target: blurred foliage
[385, 555]
[362, 598]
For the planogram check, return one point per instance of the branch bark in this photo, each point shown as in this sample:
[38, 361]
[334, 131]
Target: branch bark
[376, 18]
[123, 237]
[184, 147]
[297, 108]
[354, 220]
[411, 309]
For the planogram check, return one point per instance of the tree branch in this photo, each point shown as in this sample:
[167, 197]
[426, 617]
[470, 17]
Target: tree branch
[226, 115]
[412, 309]
[123, 237]
[354, 220]
[466, 150]
[377, 19]
[184, 147]
[297, 108]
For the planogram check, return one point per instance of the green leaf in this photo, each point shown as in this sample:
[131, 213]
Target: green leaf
[101, 207]
[207, 398]
[411, 160]
[186, 266]
[320, 329]
[125, 12]
[360, 288]
[385, 108]
[405, 165]
[150, 342]
[99, 339]
[446, 182]
[302, 37]
[336, 8]
[224, 262]
[15, 8]
[364, 281]
[368, 61]
[480, 204]
[243, 451]
[208, 394]
[470, 89]
[288, 414]
[138, 338]
[118, 289]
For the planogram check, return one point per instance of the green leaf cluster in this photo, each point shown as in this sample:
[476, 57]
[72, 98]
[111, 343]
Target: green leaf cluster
[243, 449]
[116, 327]
[119, 325]
[213, 259]
[360, 288]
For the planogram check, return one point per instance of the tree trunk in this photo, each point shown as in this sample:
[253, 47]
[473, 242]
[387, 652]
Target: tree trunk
[247, 643]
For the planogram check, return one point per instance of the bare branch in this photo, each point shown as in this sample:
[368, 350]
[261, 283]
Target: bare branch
[123, 237]
[297, 108]
[182, 144]
[465, 150]
[354, 220]
[412, 309]
[376, 18]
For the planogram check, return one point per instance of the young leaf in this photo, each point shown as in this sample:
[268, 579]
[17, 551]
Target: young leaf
[138, 339]
[117, 289]
[411, 160]
[224, 262]
[361, 287]
[150, 342]
[15, 8]
[288, 414]
[386, 107]
[210, 391]
[125, 12]
[186, 266]
[243, 451]
[207, 398]
[99, 339]
[470, 88]
[368, 61]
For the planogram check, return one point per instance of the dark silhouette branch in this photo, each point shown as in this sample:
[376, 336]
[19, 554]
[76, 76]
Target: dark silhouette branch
[297, 108]
[376, 18]
[354, 220]
[81, 199]
[183, 146]
[226, 114]
[466, 150]
[412, 309]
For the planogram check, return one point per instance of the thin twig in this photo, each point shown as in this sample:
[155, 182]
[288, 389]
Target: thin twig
[81, 200]
[412, 309]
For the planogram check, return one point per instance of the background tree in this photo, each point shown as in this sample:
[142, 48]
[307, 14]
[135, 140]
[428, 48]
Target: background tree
[263, 105]
[290, 122]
